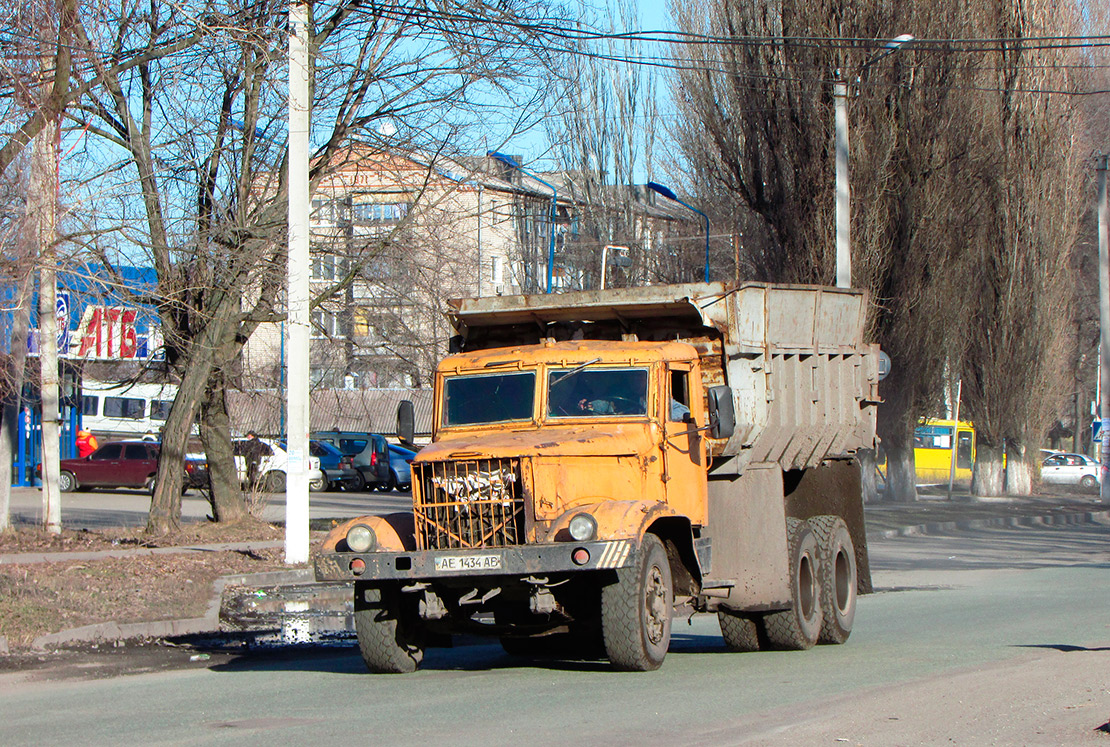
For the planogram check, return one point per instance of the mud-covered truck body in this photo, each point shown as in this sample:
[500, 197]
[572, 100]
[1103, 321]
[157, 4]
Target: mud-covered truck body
[598, 455]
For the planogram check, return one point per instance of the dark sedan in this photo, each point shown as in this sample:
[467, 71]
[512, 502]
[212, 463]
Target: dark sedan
[120, 464]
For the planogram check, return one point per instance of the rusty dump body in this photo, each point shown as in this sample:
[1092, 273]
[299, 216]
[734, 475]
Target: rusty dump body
[571, 429]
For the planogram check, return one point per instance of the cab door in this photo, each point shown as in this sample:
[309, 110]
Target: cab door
[684, 457]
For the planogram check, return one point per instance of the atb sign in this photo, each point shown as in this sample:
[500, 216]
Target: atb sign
[108, 332]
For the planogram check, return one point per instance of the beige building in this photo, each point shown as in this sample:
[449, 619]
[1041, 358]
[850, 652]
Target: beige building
[394, 237]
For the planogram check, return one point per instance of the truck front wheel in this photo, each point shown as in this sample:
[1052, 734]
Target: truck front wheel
[636, 611]
[798, 627]
[836, 576]
[389, 636]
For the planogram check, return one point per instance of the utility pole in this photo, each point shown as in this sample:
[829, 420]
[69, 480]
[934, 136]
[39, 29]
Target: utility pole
[299, 266]
[843, 198]
[43, 190]
[1104, 331]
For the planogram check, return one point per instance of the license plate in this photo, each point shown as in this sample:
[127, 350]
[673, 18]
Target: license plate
[468, 563]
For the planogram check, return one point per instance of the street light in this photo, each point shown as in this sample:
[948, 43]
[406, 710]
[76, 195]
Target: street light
[511, 163]
[657, 187]
[843, 209]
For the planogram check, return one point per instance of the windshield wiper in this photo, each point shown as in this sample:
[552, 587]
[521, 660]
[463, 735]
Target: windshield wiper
[493, 364]
[573, 371]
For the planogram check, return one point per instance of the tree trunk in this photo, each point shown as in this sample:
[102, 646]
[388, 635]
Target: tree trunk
[901, 475]
[986, 477]
[1019, 470]
[9, 425]
[215, 432]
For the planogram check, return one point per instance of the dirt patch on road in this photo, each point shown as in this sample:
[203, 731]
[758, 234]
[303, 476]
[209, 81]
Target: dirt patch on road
[41, 598]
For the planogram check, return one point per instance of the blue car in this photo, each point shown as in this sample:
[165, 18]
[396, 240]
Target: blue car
[400, 473]
[336, 475]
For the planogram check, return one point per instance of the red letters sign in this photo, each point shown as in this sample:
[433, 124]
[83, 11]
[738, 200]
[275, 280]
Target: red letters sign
[108, 332]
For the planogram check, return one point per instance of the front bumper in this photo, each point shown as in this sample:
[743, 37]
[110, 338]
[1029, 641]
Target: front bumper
[519, 560]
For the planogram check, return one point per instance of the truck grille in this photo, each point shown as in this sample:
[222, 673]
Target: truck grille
[463, 504]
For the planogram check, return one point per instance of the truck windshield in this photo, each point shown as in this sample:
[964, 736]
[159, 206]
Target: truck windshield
[490, 398]
[596, 392]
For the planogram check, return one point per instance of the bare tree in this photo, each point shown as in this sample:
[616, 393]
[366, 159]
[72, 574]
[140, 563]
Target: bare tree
[758, 133]
[1027, 169]
[202, 134]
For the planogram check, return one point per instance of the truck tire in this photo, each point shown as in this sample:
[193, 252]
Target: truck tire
[636, 611]
[836, 577]
[741, 632]
[389, 638]
[798, 628]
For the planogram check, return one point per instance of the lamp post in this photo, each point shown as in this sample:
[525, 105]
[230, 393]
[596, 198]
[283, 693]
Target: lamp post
[657, 187]
[511, 163]
[843, 198]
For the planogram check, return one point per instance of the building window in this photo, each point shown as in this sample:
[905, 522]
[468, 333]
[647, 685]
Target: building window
[328, 267]
[325, 324]
[378, 213]
[325, 211]
[495, 269]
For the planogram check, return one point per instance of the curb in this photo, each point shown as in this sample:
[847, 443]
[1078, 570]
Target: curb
[209, 623]
[1062, 519]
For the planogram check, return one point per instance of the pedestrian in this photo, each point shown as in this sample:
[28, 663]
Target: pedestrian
[253, 451]
[86, 443]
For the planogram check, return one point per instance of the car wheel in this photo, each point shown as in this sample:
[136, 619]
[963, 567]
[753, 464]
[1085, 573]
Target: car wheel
[151, 481]
[359, 483]
[319, 484]
[1088, 482]
[274, 482]
[404, 487]
[389, 484]
[67, 483]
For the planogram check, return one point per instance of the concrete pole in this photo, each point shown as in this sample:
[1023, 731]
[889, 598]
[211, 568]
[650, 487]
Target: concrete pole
[1104, 330]
[297, 328]
[42, 203]
[843, 204]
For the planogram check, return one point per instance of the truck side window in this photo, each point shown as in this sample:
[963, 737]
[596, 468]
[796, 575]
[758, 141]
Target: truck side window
[679, 396]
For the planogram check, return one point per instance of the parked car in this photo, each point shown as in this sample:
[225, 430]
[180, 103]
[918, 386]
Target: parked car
[119, 464]
[336, 473]
[372, 463]
[272, 464]
[400, 471]
[1071, 469]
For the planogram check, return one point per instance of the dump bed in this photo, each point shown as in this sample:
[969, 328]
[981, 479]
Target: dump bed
[804, 382]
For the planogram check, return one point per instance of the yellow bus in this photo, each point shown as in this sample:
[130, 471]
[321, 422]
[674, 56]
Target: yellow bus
[932, 450]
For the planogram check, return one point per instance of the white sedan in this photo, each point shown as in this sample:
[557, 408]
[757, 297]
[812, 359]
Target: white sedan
[1071, 469]
[272, 465]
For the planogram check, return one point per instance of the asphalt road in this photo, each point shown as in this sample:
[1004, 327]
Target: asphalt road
[101, 508]
[997, 636]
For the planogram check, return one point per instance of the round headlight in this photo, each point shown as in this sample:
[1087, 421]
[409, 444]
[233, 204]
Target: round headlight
[360, 538]
[583, 527]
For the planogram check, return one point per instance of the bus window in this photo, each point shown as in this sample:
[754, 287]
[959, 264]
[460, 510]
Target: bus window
[160, 409]
[124, 407]
[90, 405]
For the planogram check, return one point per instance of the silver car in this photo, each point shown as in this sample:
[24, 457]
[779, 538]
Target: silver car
[1071, 469]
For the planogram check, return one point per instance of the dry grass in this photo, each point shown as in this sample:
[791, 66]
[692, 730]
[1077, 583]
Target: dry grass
[41, 598]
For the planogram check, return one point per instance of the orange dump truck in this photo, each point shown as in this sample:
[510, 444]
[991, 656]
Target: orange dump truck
[598, 457]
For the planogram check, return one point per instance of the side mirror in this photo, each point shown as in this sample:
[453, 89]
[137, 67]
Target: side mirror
[722, 413]
[406, 421]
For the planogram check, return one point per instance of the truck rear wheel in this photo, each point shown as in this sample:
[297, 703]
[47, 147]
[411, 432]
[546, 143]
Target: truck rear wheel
[836, 577]
[741, 632]
[389, 637]
[636, 611]
[798, 627]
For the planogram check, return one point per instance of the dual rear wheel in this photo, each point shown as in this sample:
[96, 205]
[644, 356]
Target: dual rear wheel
[823, 583]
